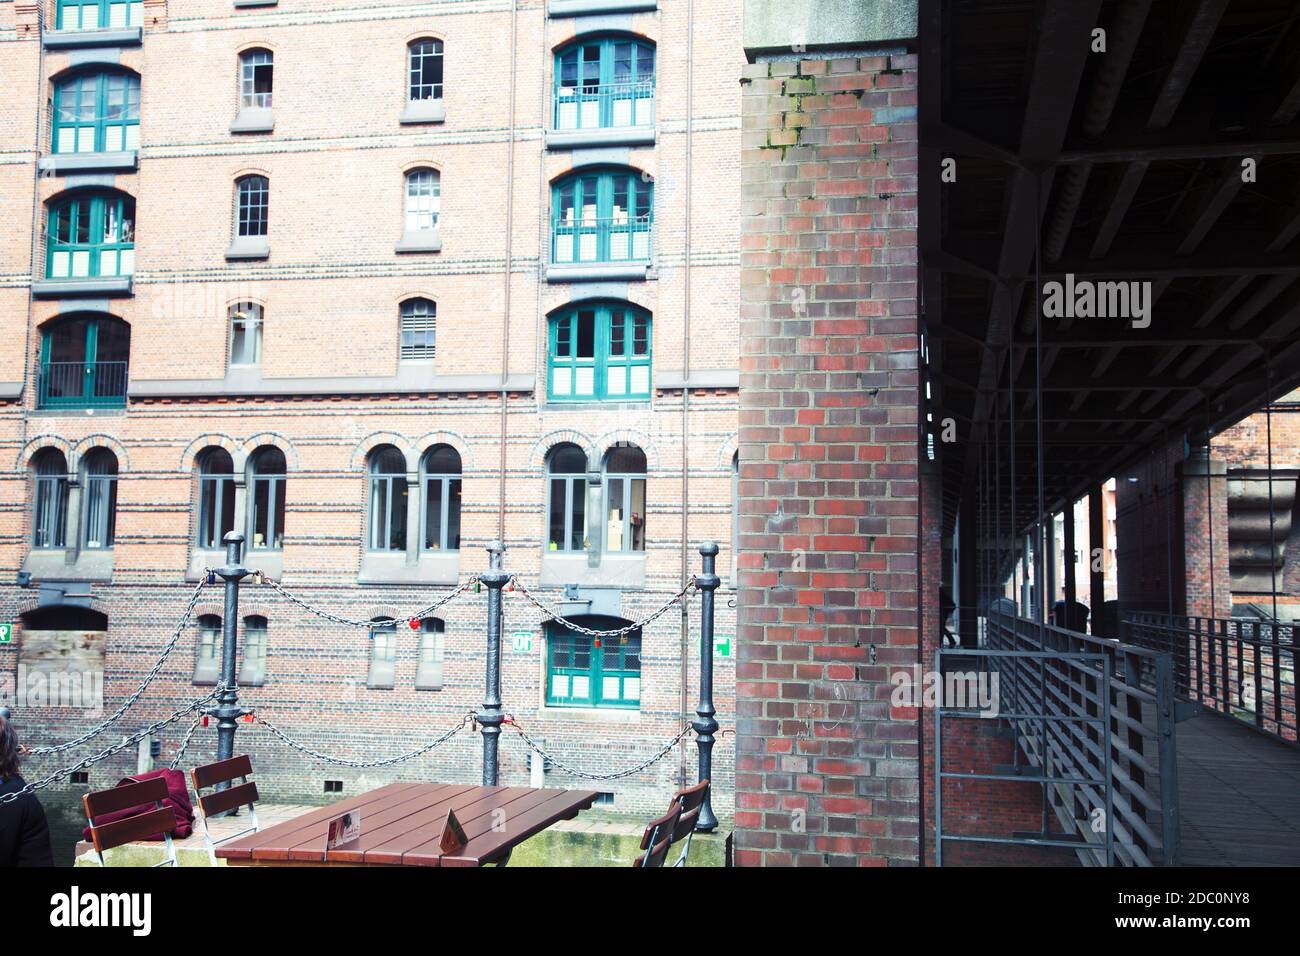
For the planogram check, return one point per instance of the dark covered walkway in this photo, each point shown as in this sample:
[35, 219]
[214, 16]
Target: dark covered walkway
[1239, 795]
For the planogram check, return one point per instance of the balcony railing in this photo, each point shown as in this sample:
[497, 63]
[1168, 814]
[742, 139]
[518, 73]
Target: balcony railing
[618, 239]
[614, 106]
[81, 385]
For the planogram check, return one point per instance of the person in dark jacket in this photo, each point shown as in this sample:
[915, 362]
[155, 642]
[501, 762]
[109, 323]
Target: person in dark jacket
[24, 831]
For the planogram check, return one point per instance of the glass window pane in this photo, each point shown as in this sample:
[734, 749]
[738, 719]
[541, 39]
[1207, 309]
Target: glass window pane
[556, 514]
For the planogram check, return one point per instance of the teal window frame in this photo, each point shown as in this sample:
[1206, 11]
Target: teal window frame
[618, 371]
[84, 380]
[604, 82]
[607, 660]
[602, 215]
[92, 230]
[99, 14]
[96, 113]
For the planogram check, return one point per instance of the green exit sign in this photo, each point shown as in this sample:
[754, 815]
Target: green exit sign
[722, 645]
[522, 642]
[6, 633]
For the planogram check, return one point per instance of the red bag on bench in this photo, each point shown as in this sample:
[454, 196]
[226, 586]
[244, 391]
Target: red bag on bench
[178, 801]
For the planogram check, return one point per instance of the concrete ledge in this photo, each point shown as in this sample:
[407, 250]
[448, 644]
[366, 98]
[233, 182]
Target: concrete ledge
[782, 25]
[698, 378]
[616, 569]
[10, 391]
[433, 567]
[243, 4]
[423, 111]
[51, 564]
[71, 39]
[612, 136]
[88, 162]
[424, 240]
[270, 563]
[597, 271]
[248, 247]
[222, 388]
[254, 119]
[577, 8]
[112, 286]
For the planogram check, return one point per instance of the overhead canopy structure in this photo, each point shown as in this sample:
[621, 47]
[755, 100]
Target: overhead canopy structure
[1171, 158]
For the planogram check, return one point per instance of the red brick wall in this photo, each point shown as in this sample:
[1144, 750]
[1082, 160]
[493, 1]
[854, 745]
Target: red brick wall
[825, 774]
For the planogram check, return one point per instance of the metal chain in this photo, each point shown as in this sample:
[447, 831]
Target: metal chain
[107, 752]
[343, 762]
[144, 684]
[573, 771]
[378, 622]
[189, 734]
[591, 632]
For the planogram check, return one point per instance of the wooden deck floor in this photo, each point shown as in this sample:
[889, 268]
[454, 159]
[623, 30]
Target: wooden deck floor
[1239, 795]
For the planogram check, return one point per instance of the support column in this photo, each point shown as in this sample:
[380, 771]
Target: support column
[1208, 587]
[967, 550]
[1096, 562]
[1068, 546]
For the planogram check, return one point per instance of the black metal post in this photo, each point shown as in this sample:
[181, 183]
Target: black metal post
[227, 710]
[705, 726]
[492, 716]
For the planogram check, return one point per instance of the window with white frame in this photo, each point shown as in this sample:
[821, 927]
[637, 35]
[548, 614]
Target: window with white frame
[256, 79]
[245, 334]
[207, 667]
[424, 62]
[419, 320]
[428, 674]
[383, 656]
[216, 498]
[100, 523]
[252, 670]
[388, 499]
[423, 200]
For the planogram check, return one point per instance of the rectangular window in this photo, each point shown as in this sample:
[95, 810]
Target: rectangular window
[383, 658]
[428, 675]
[246, 335]
[216, 510]
[568, 514]
[268, 513]
[256, 80]
[253, 198]
[388, 501]
[252, 670]
[600, 352]
[625, 513]
[206, 665]
[579, 674]
[101, 511]
[425, 70]
[51, 509]
[442, 513]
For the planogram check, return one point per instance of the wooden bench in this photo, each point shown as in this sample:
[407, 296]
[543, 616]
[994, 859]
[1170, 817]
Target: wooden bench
[220, 801]
[137, 826]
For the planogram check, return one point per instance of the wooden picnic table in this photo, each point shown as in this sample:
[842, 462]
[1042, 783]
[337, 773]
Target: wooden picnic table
[401, 825]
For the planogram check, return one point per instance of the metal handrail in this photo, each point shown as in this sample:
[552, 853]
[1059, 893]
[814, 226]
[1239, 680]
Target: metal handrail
[1136, 756]
[1241, 667]
[594, 106]
[81, 384]
[606, 239]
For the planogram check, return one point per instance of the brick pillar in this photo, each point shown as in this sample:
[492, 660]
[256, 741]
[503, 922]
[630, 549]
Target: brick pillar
[1205, 516]
[825, 774]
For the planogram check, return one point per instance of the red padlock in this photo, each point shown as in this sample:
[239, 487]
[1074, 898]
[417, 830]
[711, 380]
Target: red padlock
[205, 720]
[598, 642]
[248, 718]
[415, 623]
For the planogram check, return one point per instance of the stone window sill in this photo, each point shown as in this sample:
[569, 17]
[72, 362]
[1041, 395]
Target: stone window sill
[597, 271]
[423, 111]
[600, 137]
[68, 288]
[89, 162]
[52, 564]
[254, 119]
[72, 39]
[432, 567]
[574, 8]
[423, 240]
[617, 569]
[247, 248]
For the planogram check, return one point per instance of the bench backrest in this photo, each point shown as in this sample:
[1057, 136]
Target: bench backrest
[155, 819]
[224, 771]
[688, 802]
[656, 839]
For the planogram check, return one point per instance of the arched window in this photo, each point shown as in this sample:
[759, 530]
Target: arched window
[245, 333]
[567, 498]
[266, 516]
[207, 665]
[252, 205]
[256, 79]
[625, 474]
[84, 363]
[216, 498]
[599, 350]
[91, 235]
[383, 656]
[388, 499]
[100, 489]
[424, 62]
[97, 113]
[604, 82]
[50, 501]
[602, 216]
[418, 331]
[441, 499]
[252, 669]
[584, 673]
[423, 200]
[428, 674]
[99, 14]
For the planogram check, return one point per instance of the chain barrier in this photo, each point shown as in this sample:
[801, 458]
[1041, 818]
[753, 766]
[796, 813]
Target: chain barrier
[592, 632]
[144, 684]
[107, 752]
[587, 775]
[420, 615]
[185, 743]
[344, 762]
